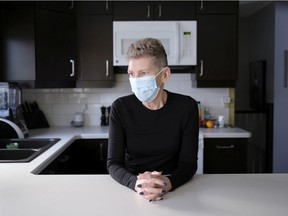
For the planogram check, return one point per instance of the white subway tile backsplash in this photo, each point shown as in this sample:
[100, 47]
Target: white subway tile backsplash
[76, 98]
[107, 99]
[59, 120]
[66, 109]
[92, 120]
[59, 105]
[94, 98]
[99, 90]
[46, 98]
[93, 109]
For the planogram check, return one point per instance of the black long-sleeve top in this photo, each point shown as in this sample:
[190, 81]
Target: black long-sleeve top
[164, 140]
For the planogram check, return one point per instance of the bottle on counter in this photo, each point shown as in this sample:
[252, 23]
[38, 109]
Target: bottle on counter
[220, 121]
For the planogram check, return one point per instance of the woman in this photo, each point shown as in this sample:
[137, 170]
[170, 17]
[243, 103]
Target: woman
[153, 135]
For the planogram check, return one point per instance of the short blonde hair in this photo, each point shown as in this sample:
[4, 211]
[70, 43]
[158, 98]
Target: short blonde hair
[149, 47]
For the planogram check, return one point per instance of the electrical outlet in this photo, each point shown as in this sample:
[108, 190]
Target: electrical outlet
[226, 99]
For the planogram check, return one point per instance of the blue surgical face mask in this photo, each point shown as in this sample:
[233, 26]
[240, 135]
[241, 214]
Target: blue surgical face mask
[145, 88]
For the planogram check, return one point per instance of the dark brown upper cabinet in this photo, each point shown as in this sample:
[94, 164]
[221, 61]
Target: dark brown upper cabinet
[153, 10]
[60, 6]
[216, 7]
[95, 44]
[217, 44]
[38, 46]
[55, 39]
[94, 7]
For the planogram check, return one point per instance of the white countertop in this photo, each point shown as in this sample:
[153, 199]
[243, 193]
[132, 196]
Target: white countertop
[231, 132]
[102, 132]
[69, 134]
[25, 194]
[204, 195]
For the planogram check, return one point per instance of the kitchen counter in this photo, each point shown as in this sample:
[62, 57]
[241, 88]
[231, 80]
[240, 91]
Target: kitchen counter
[69, 134]
[230, 132]
[25, 194]
[102, 132]
[206, 195]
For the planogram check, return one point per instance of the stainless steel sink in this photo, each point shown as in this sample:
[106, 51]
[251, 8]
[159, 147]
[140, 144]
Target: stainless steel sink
[23, 150]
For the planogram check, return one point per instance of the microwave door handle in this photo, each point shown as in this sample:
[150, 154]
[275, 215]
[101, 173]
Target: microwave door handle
[177, 42]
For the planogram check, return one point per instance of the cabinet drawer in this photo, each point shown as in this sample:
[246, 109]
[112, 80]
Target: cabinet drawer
[225, 155]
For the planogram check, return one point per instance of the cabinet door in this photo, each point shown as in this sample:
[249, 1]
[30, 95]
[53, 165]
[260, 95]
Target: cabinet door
[61, 6]
[17, 48]
[217, 50]
[55, 48]
[133, 10]
[83, 156]
[159, 10]
[225, 155]
[95, 51]
[217, 7]
[171, 10]
[94, 7]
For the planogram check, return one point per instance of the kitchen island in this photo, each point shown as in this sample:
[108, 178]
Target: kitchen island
[24, 193]
[230, 194]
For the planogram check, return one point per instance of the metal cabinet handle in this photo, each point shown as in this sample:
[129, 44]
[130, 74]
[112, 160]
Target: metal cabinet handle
[225, 147]
[101, 152]
[107, 68]
[72, 68]
[159, 11]
[71, 5]
[201, 5]
[148, 11]
[107, 5]
[201, 67]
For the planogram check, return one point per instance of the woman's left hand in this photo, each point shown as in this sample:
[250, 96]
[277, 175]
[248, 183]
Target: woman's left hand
[152, 185]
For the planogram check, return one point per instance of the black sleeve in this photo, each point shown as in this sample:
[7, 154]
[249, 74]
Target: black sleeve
[187, 164]
[116, 150]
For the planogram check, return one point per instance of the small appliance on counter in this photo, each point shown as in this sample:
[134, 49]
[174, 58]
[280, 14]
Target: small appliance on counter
[10, 99]
[11, 126]
[78, 120]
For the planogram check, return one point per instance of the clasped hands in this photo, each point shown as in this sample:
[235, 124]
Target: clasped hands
[152, 185]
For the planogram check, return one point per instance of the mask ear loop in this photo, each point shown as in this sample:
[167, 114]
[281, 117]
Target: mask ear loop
[158, 74]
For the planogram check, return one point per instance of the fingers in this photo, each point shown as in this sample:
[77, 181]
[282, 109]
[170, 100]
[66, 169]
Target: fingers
[152, 194]
[156, 173]
[153, 197]
[149, 174]
[151, 185]
[151, 182]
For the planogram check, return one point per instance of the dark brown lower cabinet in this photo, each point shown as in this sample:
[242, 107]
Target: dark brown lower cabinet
[82, 157]
[225, 155]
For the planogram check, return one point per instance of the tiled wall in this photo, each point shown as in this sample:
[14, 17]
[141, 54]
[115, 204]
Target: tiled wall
[59, 105]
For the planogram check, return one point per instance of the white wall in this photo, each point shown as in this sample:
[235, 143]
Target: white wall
[59, 105]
